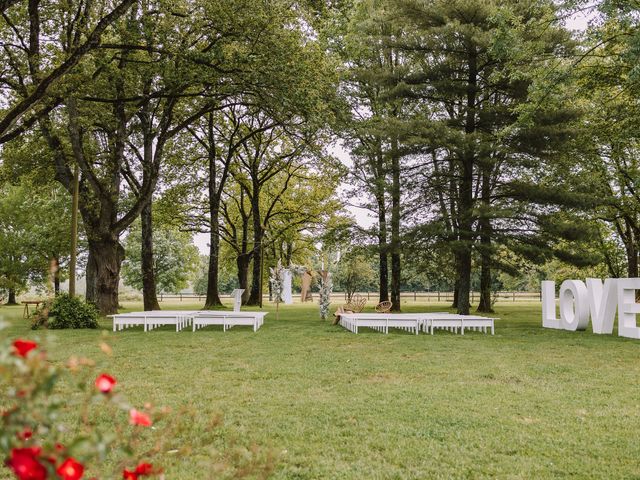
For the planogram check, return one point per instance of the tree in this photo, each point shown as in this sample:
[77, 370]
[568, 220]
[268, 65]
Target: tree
[36, 75]
[354, 273]
[34, 235]
[176, 259]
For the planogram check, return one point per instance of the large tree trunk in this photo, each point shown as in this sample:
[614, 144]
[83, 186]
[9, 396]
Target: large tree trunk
[12, 297]
[90, 278]
[456, 291]
[107, 254]
[149, 296]
[242, 261]
[466, 188]
[485, 244]
[382, 251]
[395, 227]
[255, 297]
[213, 297]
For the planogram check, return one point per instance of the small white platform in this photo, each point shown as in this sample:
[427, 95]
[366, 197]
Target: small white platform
[414, 322]
[152, 319]
[227, 319]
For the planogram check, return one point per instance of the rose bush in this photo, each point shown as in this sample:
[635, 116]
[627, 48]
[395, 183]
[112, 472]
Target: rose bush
[35, 442]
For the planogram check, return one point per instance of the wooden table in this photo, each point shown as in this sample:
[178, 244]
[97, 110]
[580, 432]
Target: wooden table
[25, 313]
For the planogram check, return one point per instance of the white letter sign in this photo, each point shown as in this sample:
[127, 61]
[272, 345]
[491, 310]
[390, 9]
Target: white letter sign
[579, 301]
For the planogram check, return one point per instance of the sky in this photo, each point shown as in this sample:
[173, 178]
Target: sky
[578, 22]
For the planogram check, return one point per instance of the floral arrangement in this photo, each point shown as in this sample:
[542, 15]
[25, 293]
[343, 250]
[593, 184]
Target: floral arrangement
[298, 270]
[34, 441]
[276, 278]
[326, 287]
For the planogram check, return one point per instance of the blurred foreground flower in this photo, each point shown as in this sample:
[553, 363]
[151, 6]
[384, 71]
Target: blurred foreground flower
[23, 347]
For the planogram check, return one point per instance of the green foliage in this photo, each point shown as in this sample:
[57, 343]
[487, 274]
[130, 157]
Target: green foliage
[354, 273]
[65, 311]
[34, 228]
[227, 280]
[176, 258]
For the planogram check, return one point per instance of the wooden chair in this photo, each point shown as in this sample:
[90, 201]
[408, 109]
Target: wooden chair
[355, 305]
[384, 307]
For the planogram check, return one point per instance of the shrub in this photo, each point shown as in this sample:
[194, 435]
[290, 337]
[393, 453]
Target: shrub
[65, 312]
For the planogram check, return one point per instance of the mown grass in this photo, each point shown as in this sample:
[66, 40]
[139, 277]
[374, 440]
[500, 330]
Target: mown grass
[525, 403]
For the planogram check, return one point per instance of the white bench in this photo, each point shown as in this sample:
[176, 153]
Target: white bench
[381, 321]
[414, 322]
[152, 319]
[205, 318]
[454, 322]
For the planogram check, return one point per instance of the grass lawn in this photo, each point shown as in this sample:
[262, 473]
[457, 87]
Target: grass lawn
[525, 403]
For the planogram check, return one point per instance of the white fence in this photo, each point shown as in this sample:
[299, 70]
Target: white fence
[418, 297]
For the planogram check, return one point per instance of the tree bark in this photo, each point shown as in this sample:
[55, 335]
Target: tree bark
[213, 297]
[456, 291]
[107, 254]
[90, 276]
[485, 244]
[383, 255]
[258, 236]
[149, 289]
[395, 227]
[242, 262]
[12, 297]
[466, 188]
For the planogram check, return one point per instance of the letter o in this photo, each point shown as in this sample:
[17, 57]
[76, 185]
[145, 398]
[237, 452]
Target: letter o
[574, 305]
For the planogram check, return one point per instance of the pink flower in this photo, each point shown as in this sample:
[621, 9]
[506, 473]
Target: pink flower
[23, 347]
[24, 463]
[139, 418]
[105, 383]
[70, 469]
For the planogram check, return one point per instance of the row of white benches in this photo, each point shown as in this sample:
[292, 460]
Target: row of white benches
[182, 318]
[414, 322]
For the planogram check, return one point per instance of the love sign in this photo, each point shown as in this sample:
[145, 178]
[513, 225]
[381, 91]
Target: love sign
[596, 300]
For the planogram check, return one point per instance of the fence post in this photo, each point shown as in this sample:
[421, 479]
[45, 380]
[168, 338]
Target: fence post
[180, 296]
[368, 295]
[514, 296]
[438, 295]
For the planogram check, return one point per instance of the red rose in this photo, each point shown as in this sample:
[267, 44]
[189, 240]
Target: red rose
[25, 434]
[23, 347]
[105, 383]
[128, 475]
[70, 469]
[139, 418]
[144, 469]
[24, 463]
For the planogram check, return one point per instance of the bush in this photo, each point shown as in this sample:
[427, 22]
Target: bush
[66, 312]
